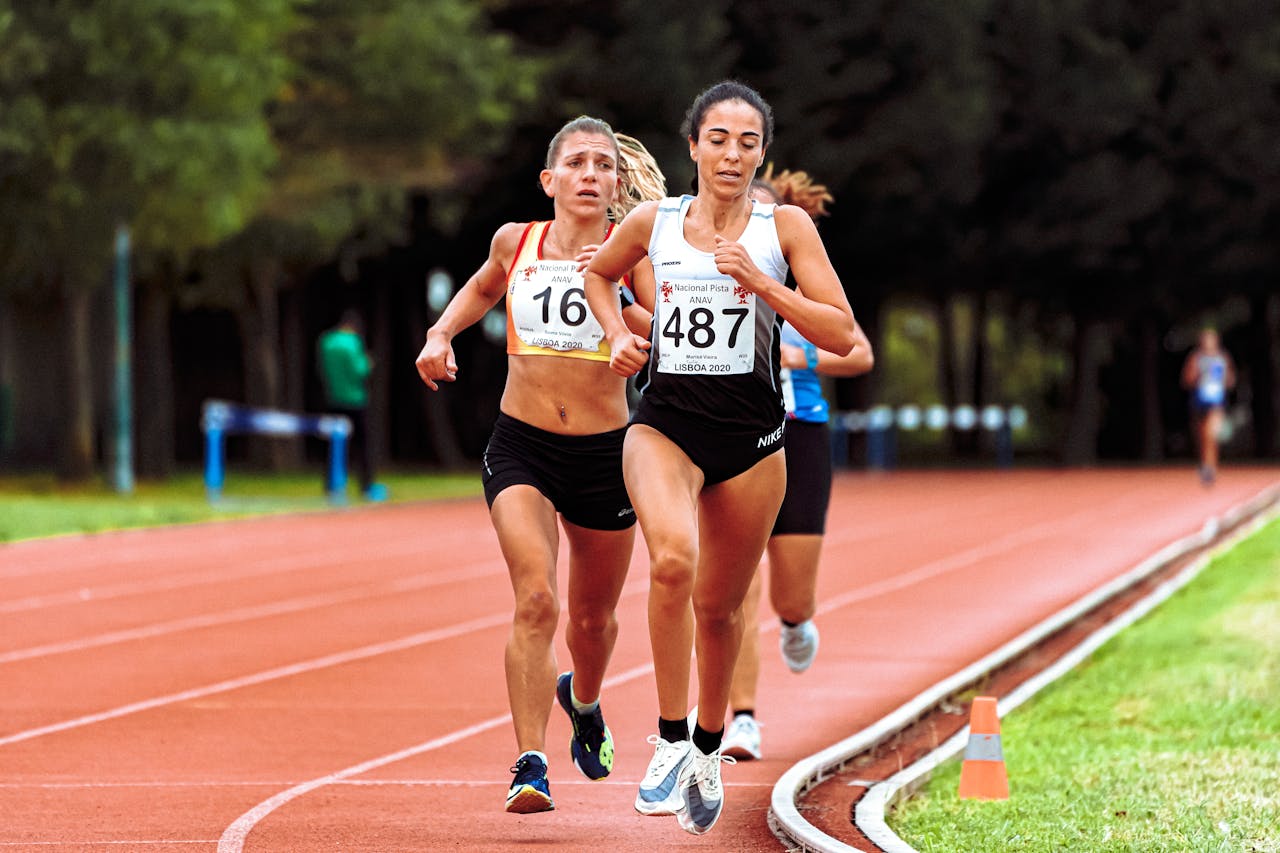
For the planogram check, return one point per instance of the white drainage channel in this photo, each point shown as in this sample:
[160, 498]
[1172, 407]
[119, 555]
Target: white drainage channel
[794, 830]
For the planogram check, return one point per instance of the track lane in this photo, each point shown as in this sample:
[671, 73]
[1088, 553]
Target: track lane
[229, 748]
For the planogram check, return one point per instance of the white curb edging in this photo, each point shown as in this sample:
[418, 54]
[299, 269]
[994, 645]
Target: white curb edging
[870, 811]
[784, 816]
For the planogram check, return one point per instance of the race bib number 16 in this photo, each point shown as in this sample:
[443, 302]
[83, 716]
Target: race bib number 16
[707, 326]
[549, 307]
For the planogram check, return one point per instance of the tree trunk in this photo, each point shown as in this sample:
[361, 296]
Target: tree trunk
[76, 448]
[154, 371]
[1264, 359]
[971, 442]
[293, 383]
[945, 307]
[858, 393]
[1152, 423]
[1080, 444]
[259, 318]
[981, 352]
[7, 359]
[379, 344]
[435, 405]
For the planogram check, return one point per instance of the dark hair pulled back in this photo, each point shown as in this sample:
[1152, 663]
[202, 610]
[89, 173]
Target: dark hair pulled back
[727, 90]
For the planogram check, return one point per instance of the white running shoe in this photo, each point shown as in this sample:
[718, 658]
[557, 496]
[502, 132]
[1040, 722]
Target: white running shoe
[742, 738]
[701, 794]
[659, 792]
[799, 645]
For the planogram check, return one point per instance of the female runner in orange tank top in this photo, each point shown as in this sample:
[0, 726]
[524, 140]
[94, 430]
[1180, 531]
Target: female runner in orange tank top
[556, 449]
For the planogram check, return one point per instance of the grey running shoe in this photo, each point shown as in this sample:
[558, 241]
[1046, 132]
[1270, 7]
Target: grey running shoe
[799, 645]
[701, 794]
[659, 792]
[742, 738]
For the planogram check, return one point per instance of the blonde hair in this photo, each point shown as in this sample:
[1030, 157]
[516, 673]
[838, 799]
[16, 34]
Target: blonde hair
[799, 189]
[639, 178]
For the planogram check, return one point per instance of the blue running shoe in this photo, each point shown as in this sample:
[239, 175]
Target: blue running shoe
[592, 742]
[530, 792]
[659, 794]
[701, 794]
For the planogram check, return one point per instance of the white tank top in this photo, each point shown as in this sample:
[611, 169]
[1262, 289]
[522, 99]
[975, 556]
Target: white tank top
[714, 344]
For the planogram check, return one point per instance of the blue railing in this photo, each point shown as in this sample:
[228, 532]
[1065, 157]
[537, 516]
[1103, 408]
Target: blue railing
[220, 418]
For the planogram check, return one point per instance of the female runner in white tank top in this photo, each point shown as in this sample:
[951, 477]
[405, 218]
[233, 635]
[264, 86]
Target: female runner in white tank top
[703, 457]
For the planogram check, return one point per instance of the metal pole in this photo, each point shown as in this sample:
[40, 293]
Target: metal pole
[123, 474]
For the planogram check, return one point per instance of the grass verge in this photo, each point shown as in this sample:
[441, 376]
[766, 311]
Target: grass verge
[38, 505]
[1168, 739]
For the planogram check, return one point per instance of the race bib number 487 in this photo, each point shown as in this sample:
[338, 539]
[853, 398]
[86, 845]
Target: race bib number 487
[549, 307]
[707, 326]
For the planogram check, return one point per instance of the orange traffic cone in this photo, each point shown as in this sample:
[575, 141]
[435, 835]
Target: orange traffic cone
[983, 776]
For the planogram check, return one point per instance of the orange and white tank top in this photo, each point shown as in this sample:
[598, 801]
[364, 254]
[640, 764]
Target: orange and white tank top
[547, 311]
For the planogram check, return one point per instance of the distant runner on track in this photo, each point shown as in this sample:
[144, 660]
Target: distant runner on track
[556, 449]
[1208, 374]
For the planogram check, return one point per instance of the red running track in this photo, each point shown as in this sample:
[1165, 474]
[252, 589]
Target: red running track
[334, 681]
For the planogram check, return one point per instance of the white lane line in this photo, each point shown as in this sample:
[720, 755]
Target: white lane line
[234, 836]
[260, 611]
[336, 659]
[131, 843]
[351, 783]
[870, 810]
[147, 546]
[310, 561]
[956, 561]
[792, 827]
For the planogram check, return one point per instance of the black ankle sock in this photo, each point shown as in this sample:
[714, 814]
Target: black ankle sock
[707, 742]
[673, 730]
[744, 712]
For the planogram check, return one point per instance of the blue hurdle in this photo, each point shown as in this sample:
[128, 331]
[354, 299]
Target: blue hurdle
[881, 424]
[220, 418]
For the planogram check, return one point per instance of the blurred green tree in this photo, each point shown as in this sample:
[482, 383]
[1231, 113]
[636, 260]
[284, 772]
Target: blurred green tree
[385, 97]
[1131, 178]
[891, 105]
[148, 113]
[1110, 163]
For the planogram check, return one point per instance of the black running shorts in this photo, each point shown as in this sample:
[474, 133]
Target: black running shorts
[580, 474]
[722, 454]
[804, 507]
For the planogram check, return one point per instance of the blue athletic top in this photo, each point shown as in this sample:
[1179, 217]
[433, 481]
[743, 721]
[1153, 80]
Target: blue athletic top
[804, 400]
[1211, 386]
[714, 348]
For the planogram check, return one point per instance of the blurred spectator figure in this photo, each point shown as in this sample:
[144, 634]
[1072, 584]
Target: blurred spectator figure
[344, 372]
[1208, 374]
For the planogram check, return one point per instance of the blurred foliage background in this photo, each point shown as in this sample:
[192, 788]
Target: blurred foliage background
[1037, 203]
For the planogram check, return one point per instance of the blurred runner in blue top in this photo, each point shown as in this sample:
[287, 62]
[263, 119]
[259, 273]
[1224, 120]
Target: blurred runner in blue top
[796, 540]
[1208, 374]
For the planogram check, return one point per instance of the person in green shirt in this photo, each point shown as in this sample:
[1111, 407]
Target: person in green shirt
[344, 372]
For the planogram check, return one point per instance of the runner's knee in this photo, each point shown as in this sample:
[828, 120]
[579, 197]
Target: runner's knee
[537, 609]
[593, 623]
[671, 570]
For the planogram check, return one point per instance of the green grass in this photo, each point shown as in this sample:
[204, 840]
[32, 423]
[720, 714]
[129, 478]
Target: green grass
[1168, 739]
[37, 505]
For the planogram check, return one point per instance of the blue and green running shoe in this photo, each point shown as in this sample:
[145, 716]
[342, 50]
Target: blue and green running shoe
[530, 792]
[592, 742]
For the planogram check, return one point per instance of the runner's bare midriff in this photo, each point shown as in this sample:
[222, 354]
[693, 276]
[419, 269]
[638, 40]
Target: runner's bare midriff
[569, 396]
